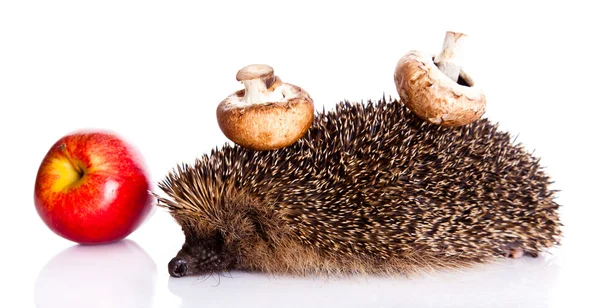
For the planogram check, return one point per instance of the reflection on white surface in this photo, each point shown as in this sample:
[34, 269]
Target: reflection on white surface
[526, 282]
[120, 274]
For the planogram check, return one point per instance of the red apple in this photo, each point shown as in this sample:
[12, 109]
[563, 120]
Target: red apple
[92, 188]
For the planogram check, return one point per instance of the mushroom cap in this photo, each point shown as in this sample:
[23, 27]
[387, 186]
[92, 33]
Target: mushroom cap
[266, 125]
[433, 96]
[254, 71]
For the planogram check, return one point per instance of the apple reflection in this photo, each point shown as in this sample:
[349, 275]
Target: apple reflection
[120, 274]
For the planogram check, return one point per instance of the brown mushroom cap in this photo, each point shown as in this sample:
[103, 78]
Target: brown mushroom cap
[254, 71]
[433, 96]
[266, 125]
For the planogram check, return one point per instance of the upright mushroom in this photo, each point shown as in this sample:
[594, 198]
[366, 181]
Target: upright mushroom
[268, 114]
[437, 89]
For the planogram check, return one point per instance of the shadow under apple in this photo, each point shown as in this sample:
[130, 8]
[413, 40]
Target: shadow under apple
[120, 274]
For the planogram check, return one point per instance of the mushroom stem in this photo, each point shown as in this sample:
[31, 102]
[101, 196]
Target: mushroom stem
[448, 60]
[259, 80]
[255, 92]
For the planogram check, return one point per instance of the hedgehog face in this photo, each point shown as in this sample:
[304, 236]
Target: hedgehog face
[202, 255]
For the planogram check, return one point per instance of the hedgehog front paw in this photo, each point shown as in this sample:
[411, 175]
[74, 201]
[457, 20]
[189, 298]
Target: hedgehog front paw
[515, 253]
[513, 250]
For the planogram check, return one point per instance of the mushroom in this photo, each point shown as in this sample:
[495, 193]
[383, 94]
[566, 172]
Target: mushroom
[268, 114]
[437, 89]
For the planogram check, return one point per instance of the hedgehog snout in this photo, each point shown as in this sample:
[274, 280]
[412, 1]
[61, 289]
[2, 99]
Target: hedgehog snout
[201, 255]
[178, 267]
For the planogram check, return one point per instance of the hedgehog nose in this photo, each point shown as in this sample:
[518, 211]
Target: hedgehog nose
[177, 267]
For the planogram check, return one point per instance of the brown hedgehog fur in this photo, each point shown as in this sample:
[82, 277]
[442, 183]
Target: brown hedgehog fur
[370, 188]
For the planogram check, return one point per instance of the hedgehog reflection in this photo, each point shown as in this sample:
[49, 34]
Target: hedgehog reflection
[370, 188]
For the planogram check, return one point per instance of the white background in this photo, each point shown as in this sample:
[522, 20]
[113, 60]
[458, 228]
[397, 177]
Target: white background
[154, 72]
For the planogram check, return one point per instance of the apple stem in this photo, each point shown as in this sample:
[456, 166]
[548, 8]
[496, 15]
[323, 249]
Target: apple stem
[63, 149]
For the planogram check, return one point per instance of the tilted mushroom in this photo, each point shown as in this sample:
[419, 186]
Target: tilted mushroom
[437, 89]
[268, 114]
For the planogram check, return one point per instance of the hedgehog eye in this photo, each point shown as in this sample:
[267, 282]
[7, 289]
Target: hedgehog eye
[219, 239]
[208, 246]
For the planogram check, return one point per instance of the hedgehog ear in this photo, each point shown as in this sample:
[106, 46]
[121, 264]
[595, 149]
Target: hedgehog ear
[257, 225]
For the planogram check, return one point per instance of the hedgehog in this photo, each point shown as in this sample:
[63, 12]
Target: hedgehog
[369, 189]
